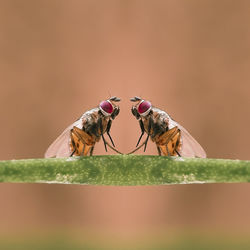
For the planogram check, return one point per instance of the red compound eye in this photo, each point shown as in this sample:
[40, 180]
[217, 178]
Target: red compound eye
[106, 106]
[144, 106]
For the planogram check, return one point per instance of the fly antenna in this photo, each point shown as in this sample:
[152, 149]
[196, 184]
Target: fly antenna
[114, 99]
[135, 99]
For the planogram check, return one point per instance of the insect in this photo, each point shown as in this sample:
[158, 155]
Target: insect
[170, 137]
[79, 138]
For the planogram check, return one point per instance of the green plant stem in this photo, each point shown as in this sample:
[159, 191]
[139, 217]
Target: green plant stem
[125, 170]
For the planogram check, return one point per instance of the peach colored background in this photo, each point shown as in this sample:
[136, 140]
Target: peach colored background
[61, 58]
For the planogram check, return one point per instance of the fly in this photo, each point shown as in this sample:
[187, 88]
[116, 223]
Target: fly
[171, 138]
[79, 138]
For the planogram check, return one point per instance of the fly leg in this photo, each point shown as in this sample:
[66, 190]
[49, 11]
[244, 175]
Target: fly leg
[142, 132]
[159, 150]
[176, 151]
[167, 150]
[150, 125]
[146, 142]
[105, 145]
[108, 130]
[72, 152]
[91, 151]
[99, 123]
[83, 149]
[138, 117]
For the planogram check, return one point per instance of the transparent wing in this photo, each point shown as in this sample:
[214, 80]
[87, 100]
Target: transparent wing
[190, 147]
[61, 146]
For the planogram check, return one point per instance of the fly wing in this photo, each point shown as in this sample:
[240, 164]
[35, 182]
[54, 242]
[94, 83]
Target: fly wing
[61, 146]
[190, 147]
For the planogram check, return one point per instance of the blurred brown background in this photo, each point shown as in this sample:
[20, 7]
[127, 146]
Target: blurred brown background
[61, 58]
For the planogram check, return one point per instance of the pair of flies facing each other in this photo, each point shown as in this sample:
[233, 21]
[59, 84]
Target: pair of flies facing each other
[170, 137]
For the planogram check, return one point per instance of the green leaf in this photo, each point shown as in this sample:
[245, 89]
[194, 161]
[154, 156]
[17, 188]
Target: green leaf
[125, 170]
